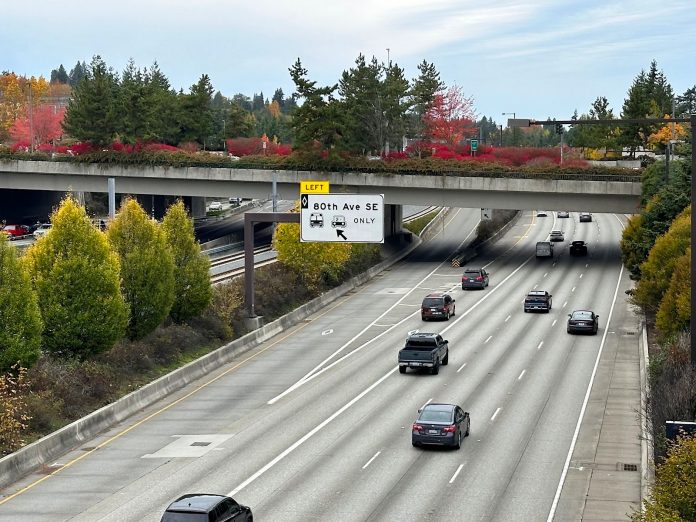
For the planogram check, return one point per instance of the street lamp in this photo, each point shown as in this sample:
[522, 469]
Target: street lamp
[514, 129]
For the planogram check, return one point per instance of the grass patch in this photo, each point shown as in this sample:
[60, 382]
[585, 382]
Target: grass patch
[417, 225]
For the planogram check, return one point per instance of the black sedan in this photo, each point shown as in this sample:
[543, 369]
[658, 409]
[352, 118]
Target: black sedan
[475, 278]
[583, 321]
[441, 424]
[578, 248]
[207, 507]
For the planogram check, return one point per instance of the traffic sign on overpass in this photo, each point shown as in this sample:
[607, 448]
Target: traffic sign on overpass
[343, 218]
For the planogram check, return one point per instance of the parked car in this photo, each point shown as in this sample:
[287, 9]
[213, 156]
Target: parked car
[563, 214]
[42, 230]
[585, 217]
[441, 424]
[556, 235]
[215, 206]
[541, 213]
[475, 278]
[537, 300]
[437, 305]
[424, 350]
[583, 321]
[206, 508]
[544, 249]
[578, 248]
[14, 231]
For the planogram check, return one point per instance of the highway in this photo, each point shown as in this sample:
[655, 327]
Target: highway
[315, 424]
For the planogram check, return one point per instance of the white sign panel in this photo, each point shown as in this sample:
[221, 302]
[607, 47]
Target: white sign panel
[486, 214]
[342, 218]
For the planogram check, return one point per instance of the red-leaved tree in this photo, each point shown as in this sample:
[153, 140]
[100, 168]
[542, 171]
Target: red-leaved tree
[45, 123]
[451, 117]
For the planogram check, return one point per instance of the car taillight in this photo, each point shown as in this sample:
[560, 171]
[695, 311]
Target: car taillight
[450, 429]
[417, 427]
[479, 278]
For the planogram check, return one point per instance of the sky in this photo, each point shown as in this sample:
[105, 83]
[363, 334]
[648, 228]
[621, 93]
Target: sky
[537, 59]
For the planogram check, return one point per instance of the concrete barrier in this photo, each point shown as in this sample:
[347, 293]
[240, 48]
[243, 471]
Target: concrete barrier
[52, 446]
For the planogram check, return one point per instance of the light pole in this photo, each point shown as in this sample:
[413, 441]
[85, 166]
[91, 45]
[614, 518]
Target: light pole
[388, 59]
[514, 129]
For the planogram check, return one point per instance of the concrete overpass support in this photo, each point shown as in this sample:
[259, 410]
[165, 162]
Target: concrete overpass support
[196, 207]
[393, 222]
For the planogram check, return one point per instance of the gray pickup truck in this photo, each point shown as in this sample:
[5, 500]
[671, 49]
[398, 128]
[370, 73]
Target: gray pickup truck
[424, 350]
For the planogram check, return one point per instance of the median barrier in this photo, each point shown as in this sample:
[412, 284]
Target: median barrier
[47, 449]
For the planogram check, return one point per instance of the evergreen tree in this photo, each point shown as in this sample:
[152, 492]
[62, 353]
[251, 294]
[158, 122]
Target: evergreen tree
[20, 335]
[163, 107]
[423, 91]
[59, 75]
[686, 103]
[279, 97]
[147, 268]
[363, 105]
[133, 106]
[196, 113]
[192, 289]
[91, 112]
[243, 102]
[77, 73]
[76, 275]
[397, 104]
[258, 102]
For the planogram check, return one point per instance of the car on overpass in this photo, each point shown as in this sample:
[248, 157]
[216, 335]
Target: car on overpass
[541, 213]
[440, 425]
[206, 508]
[215, 206]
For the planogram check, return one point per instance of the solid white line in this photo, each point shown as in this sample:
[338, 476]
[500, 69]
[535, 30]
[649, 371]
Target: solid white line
[554, 322]
[461, 367]
[554, 505]
[521, 374]
[370, 461]
[454, 477]
[383, 325]
[309, 435]
[489, 338]
[508, 317]
[426, 403]
[540, 345]
[495, 414]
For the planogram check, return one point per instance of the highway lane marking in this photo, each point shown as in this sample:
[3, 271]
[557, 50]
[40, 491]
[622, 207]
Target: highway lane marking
[587, 265]
[564, 304]
[509, 316]
[495, 414]
[561, 482]
[535, 287]
[411, 305]
[370, 461]
[554, 322]
[454, 477]
[546, 274]
[310, 434]
[167, 407]
[522, 375]
[581, 276]
[573, 290]
[541, 343]
[320, 368]
[461, 367]
[426, 403]
[327, 332]
[383, 325]
[489, 338]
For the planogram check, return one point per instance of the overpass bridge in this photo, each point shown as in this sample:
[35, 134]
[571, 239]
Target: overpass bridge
[501, 190]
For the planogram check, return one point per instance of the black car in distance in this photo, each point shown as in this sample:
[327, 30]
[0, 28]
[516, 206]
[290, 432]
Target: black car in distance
[578, 248]
[537, 300]
[441, 424]
[583, 321]
[206, 508]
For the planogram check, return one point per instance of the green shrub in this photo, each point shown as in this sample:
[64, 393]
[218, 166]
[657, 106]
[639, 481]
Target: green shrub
[417, 225]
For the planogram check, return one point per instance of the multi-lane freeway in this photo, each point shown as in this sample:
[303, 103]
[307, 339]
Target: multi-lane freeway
[315, 424]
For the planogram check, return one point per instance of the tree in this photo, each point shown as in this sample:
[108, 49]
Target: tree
[423, 92]
[91, 114]
[673, 496]
[192, 289]
[147, 268]
[45, 123]
[196, 113]
[163, 113]
[77, 73]
[15, 93]
[133, 106]
[59, 75]
[319, 118]
[312, 261]
[451, 117]
[674, 313]
[686, 103]
[20, 335]
[76, 276]
[656, 271]
[664, 134]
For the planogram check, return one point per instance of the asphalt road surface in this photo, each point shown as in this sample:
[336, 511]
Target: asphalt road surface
[315, 424]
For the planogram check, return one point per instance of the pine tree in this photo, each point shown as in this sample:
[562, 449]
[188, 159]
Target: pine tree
[423, 91]
[20, 335]
[59, 75]
[77, 73]
[192, 287]
[132, 106]
[147, 268]
[196, 114]
[163, 107]
[91, 113]
[76, 276]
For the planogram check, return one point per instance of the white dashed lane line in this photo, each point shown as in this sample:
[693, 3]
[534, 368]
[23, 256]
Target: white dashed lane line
[564, 304]
[370, 461]
[541, 343]
[554, 322]
[427, 402]
[521, 375]
[461, 367]
[454, 477]
[489, 338]
[509, 316]
[573, 290]
[495, 414]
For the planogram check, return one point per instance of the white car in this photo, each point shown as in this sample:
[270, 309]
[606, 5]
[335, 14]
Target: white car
[42, 230]
[215, 206]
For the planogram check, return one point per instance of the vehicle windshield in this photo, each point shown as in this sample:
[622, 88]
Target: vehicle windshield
[433, 301]
[431, 415]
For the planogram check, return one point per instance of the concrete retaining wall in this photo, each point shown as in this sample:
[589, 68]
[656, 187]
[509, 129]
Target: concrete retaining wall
[50, 447]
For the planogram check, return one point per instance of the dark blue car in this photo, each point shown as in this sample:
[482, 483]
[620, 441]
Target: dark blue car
[441, 424]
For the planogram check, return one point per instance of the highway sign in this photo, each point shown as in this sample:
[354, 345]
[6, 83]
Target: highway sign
[486, 214]
[342, 218]
[314, 187]
[474, 145]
